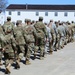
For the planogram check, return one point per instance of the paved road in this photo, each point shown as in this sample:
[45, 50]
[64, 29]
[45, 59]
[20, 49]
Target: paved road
[61, 62]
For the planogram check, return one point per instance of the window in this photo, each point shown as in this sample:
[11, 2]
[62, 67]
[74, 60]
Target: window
[37, 13]
[46, 13]
[65, 14]
[9, 12]
[18, 13]
[56, 14]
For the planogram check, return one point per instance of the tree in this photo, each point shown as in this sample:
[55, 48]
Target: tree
[3, 4]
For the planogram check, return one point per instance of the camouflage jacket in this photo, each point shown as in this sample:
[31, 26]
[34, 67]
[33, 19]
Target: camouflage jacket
[8, 27]
[18, 35]
[41, 30]
[29, 33]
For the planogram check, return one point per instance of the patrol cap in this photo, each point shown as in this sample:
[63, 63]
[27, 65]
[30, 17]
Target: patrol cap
[68, 22]
[41, 17]
[8, 17]
[19, 21]
[33, 21]
[28, 20]
[72, 21]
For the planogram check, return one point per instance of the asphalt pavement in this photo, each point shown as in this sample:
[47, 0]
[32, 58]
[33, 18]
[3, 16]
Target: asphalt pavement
[61, 62]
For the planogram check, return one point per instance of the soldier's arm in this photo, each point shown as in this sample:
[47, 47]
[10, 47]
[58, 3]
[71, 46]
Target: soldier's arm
[45, 31]
[3, 27]
[34, 32]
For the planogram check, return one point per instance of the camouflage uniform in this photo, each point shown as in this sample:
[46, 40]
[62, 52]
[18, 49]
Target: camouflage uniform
[66, 33]
[69, 33]
[72, 35]
[29, 35]
[61, 32]
[54, 37]
[25, 22]
[1, 43]
[9, 42]
[40, 40]
[57, 37]
[52, 43]
[20, 42]
[49, 38]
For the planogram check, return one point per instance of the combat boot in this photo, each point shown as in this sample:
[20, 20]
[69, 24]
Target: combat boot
[55, 49]
[27, 62]
[41, 57]
[65, 43]
[7, 71]
[17, 66]
[0, 63]
[34, 56]
[61, 47]
[51, 52]
[44, 54]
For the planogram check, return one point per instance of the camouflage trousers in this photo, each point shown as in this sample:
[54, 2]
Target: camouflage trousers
[1, 55]
[72, 37]
[8, 58]
[30, 49]
[51, 46]
[62, 42]
[40, 46]
[20, 51]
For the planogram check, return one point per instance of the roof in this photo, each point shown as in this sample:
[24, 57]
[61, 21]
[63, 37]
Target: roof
[41, 7]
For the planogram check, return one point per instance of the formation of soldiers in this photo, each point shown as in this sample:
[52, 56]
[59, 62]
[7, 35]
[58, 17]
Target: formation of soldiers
[24, 40]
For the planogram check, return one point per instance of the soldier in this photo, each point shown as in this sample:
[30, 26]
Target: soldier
[26, 21]
[57, 44]
[42, 34]
[8, 26]
[61, 32]
[29, 35]
[72, 29]
[33, 22]
[69, 32]
[1, 43]
[9, 43]
[14, 23]
[18, 35]
[53, 34]
[66, 32]
[49, 38]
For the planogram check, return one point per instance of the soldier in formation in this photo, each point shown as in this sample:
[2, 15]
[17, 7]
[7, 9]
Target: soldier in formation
[31, 38]
[9, 42]
[41, 35]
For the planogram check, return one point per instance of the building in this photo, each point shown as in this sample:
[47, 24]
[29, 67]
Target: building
[55, 12]
[2, 17]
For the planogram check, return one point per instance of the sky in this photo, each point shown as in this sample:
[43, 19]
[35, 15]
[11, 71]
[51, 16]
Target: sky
[42, 2]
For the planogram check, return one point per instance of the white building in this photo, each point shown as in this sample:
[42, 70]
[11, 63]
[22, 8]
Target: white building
[55, 12]
[2, 18]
